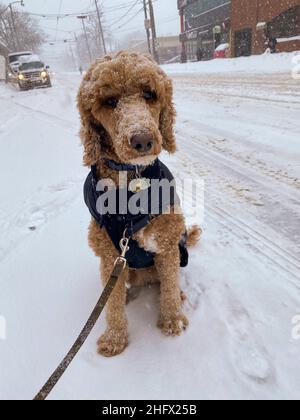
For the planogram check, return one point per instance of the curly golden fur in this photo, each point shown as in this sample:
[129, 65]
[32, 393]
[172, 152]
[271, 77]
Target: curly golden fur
[121, 97]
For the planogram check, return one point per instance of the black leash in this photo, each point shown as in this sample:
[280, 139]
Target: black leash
[119, 267]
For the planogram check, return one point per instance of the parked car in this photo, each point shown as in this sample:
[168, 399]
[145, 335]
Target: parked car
[33, 73]
[222, 51]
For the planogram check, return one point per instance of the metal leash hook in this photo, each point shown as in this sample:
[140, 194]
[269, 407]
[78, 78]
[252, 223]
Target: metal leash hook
[124, 245]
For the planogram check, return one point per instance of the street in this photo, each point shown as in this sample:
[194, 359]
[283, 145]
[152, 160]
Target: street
[238, 132]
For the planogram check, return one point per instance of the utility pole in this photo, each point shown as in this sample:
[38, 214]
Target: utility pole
[12, 24]
[72, 56]
[147, 26]
[79, 57]
[101, 28]
[78, 51]
[82, 18]
[12, 33]
[15, 34]
[182, 36]
[153, 29]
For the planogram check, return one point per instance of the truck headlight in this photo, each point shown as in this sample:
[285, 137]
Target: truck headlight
[21, 77]
[44, 74]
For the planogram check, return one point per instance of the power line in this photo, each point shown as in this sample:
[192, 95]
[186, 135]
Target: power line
[136, 28]
[128, 11]
[132, 17]
[86, 12]
[59, 30]
[59, 10]
[119, 7]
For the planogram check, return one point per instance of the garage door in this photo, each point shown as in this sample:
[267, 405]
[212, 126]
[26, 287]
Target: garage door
[2, 68]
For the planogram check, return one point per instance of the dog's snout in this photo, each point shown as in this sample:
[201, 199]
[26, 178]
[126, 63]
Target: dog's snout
[142, 142]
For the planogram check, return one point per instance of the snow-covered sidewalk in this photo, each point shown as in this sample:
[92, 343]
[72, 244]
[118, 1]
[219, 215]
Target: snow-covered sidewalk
[239, 132]
[255, 64]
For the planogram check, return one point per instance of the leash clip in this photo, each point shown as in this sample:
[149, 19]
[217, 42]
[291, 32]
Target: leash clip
[124, 245]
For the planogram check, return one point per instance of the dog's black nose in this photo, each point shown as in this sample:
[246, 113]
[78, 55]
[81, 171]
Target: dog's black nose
[142, 142]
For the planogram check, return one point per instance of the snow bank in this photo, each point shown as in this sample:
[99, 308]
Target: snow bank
[263, 64]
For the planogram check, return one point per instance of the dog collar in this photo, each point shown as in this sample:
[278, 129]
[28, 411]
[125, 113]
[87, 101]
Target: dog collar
[123, 167]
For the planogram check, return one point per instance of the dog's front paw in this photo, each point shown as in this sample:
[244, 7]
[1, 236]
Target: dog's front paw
[173, 324]
[112, 342]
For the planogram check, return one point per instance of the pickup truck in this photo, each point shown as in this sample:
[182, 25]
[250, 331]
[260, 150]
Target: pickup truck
[33, 73]
[14, 60]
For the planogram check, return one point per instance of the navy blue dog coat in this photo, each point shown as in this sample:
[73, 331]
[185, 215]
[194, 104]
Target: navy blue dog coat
[115, 224]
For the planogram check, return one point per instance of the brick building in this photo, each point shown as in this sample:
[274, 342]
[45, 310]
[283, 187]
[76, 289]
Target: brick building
[253, 22]
[168, 48]
[204, 25]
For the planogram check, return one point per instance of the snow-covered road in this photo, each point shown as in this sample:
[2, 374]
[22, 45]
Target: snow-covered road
[240, 133]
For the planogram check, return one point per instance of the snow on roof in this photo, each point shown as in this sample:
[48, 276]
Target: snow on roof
[29, 58]
[222, 47]
[292, 38]
[261, 25]
[20, 53]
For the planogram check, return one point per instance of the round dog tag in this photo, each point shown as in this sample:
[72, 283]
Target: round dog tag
[139, 184]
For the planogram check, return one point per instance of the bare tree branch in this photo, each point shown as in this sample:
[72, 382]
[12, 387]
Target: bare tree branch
[27, 34]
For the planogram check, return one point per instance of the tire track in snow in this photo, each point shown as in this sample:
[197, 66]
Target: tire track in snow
[38, 210]
[288, 197]
[281, 252]
[67, 125]
[263, 89]
[236, 166]
[248, 355]
[260, 243]
[19, 102]
[259, 246]
[8, 123]
[255, 98]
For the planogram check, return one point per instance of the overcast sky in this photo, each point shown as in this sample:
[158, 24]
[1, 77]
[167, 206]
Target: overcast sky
[166, 14]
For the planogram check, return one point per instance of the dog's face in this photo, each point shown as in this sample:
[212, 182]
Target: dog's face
[126, 110]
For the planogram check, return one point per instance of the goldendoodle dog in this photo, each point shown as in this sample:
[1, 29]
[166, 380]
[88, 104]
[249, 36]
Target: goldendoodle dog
[127, 116]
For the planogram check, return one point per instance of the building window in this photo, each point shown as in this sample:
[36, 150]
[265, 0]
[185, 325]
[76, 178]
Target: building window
[200, 19]
[196, 16]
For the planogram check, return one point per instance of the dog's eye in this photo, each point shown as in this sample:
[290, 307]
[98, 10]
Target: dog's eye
[150, 95]
[111, 102]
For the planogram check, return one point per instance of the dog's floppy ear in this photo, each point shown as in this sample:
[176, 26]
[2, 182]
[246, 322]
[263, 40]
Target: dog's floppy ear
[92, 145]
[91, 134]
[167, 118]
